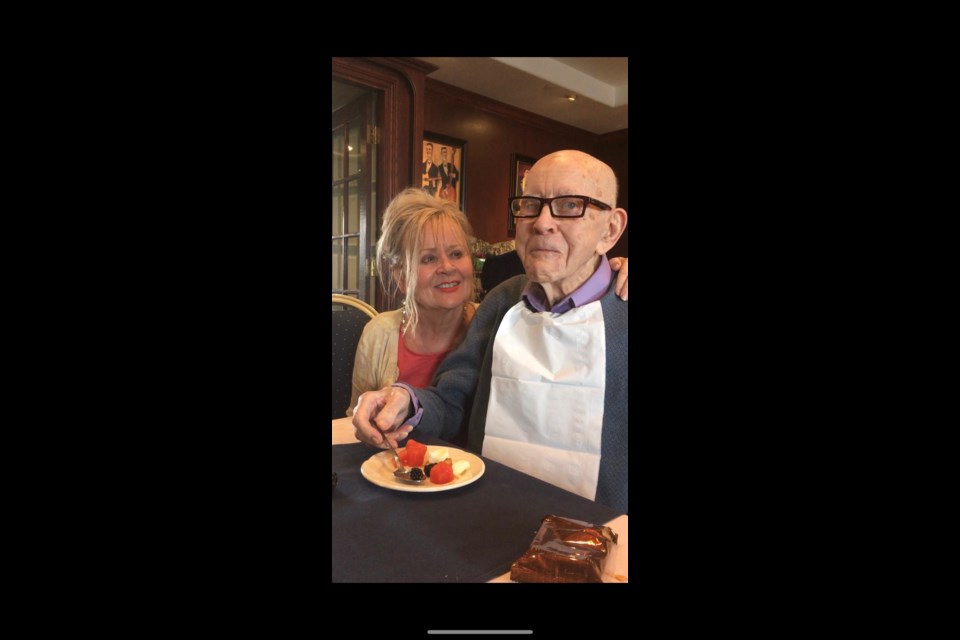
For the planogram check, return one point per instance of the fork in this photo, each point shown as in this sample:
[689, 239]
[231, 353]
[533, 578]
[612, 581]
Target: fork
[401, 474]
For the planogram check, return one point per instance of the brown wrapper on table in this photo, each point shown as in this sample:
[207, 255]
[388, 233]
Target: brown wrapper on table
[565, 550]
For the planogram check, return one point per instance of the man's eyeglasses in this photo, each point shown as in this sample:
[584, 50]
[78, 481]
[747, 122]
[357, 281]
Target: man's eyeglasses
[560, 207]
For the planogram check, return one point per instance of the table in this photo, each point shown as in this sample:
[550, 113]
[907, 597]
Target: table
[366, 506]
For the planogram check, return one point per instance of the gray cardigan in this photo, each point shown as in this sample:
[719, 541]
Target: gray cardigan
[462, 386]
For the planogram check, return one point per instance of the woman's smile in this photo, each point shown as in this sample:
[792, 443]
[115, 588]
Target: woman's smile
[448, 287]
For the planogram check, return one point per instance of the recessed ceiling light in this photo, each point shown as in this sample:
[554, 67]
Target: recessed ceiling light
[571, 97]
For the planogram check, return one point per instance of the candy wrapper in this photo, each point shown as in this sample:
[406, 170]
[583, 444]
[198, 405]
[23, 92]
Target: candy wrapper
[565, 550]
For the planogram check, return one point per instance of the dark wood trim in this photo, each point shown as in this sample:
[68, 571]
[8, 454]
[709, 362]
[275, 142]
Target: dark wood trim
[394, 123]
[401, 80]
[414, 72]
[425, 67]
[505, 110]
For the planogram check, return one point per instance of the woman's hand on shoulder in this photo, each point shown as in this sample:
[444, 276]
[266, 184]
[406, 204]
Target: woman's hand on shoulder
[620, 266]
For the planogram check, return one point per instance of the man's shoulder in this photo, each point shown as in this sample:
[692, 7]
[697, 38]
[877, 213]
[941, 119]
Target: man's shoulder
[614, 308]
[511, 287]
[504, 295]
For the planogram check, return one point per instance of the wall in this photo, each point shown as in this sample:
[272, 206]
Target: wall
[613, 150]
[493, 132]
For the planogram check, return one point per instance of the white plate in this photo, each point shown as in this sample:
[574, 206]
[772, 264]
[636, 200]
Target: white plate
[379, 469]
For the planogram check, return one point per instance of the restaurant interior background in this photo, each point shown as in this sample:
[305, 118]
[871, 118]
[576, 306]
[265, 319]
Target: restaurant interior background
[496, 111]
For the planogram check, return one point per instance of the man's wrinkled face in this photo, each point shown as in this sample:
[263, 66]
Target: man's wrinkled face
[561, 254]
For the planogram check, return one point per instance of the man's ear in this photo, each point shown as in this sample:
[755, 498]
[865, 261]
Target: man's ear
[616, 224]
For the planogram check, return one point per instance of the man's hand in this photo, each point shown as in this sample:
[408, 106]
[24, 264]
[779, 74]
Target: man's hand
[620, 266]
[380, 414]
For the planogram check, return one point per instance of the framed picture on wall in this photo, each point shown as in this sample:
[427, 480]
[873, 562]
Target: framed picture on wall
[519, 166]
[442, 168]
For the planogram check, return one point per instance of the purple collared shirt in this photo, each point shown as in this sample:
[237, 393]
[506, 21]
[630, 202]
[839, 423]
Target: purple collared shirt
[590, 291]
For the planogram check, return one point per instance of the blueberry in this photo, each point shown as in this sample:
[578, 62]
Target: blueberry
[426, 469]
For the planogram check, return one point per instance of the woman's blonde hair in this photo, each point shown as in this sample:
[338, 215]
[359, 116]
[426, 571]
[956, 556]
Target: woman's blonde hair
[398, 248]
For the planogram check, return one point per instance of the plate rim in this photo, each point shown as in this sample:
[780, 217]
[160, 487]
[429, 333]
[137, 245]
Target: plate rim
[431, 488]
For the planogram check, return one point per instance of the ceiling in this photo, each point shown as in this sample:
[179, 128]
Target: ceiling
[542, 86]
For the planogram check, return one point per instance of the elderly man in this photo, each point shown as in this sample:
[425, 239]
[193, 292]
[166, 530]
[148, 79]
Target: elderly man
[540, 380]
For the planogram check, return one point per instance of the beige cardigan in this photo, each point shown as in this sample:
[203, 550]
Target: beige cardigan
[375, 364]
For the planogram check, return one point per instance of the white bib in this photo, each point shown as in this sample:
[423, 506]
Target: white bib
[545, 415]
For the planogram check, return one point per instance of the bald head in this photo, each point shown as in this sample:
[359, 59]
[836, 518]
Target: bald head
[560, 254]
[576, 167]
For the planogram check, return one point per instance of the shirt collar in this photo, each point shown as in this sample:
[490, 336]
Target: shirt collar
[590, 291]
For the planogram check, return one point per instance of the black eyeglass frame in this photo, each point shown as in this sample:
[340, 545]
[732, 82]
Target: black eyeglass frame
[549, 202]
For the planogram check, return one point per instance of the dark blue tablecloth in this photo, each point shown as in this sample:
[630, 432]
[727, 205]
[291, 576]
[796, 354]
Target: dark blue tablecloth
[470, 534]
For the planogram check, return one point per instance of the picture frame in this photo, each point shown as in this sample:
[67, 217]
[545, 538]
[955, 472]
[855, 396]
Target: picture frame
[445, 177]
[519, 165]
